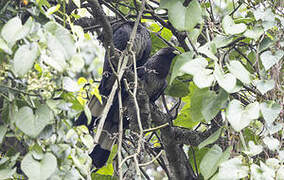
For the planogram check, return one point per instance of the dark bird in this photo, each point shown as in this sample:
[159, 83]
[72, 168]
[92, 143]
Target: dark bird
[141, 46]
[155, 71]
[153, 74]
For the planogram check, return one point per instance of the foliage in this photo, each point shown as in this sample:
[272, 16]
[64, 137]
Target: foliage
[232, 76]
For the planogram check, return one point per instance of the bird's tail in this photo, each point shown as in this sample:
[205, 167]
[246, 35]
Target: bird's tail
[101, 151]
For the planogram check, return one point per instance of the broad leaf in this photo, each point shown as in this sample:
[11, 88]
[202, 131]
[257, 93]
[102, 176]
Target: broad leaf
[254, 33]
[184, 117]
[265, 85]
[39, 169]
[231, 28]
[24, 58]
[202, 77]
[270, 111]
[212, 159]
[209, 49]
[197, 102]
[240, 117]
[267, 17]
[253, 149]
[268, 59]
[211, 139]
[181, 60]
[177, 89]
[227, 81]
[13, 30]
[271, 143]
[63, 37]
[7, 173]
[77, 63]
[213, 104]
[70, 85]
[233, 168]
[183, 18]
[5, 47]
[239, 71]
[221, 41]
[32, 124]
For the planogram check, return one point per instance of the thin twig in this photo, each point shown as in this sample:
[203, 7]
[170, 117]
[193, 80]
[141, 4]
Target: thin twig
[152, 160]
[156, 128]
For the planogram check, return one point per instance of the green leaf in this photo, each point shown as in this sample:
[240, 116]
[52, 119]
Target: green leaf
[208, 49]
[4, 47]
[239, 71]
[234, 168]
[268, 59]
[198, 155]
[213, 104]
[56, 58]
[211, 139]
[180, 61]
[39, 169]
[240, 117]
[183, 18]
[212, 159]
[166, 34]
[7, 173]
[24, 58]
[63, 37]
[265, 44]
[3, 130]
[231, 28]
[184, 117]
[202, 77]
[177, 89]
[10, 30]
[193, 36]
[196, 103]
[13, 30]
[267, 17]
[253, 149]
[265, 85]
[270, 111]
[157, 43]
[272, 143]
[227, 81]
[32, 124]
[254, 33]
[222, 41]
[70, 85]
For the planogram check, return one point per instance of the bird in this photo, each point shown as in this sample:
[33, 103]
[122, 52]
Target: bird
[153, 74]
[142, 46]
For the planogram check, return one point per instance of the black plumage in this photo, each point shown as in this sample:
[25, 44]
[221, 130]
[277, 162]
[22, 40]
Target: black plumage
[153, 74]
[141, 46]
[155, 71]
